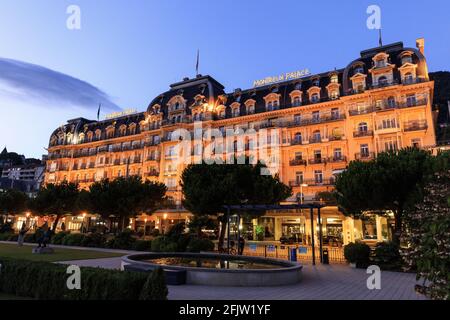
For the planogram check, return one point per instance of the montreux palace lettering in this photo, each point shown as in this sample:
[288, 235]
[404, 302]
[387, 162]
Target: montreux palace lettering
[120, 114]
[283, 77]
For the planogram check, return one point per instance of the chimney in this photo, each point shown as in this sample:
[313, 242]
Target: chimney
[420, 44]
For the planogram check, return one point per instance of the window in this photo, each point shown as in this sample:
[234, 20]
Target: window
[391, 102]
[335, 113]
[362, 127]
[369, 226]
[298, 138]
[388, 123]
[316, 136]
[390, 145]
[299, 178]
[380, 63]
[337, 154]
[364, 149]
[408, 78]
[382, 81]
[334, 78]
[406, 59]
[316, 116]
[251, 109]
[317, 155]
[334, 95]
[296, 102]
[315, 98]
[236, 112]
[359, 69]
[316, 83]
[411, 100]
[297, 119]
[298, 156]
[318, 176]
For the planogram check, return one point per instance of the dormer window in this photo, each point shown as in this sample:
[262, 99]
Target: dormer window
[272, 101]
[236, 112]
[315, 98]
[359, 69]
[409, 78]
[123, 131]
[382, 81]
[334, 95]
[334, 78]
[380, 63]
[315, 82]
[296, 101]
[406, 59]
[250, 106]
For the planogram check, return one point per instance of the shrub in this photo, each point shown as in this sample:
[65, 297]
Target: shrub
[94, 240]
[58, 238]
[47, 281]
[6, 228]
[164, 244]
[197, 245]
[357, 253]
[31, 237]
[13, 237]
[5, 236]
[123, 240]
[155, 287]
[155, 232]
[387, 255]
[142, 245]
[73, 239]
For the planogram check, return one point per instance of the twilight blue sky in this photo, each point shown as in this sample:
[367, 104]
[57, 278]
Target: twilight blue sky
[129, 51]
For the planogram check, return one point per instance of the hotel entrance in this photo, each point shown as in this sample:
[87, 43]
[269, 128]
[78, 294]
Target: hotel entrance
[293, 230]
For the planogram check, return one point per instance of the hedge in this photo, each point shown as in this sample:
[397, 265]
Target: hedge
[47, 281]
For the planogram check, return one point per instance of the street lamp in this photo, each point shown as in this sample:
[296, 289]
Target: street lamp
[302, 185]
[145, 226]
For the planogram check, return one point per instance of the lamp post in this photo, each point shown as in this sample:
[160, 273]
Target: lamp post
[145, 226]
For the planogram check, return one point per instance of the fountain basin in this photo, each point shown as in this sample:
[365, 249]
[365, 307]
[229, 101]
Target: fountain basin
[218, 269]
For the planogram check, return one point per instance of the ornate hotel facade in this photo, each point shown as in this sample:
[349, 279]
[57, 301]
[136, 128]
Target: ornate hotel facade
[380, 101]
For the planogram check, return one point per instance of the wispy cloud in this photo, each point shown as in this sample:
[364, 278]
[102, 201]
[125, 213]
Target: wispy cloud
[29, 82]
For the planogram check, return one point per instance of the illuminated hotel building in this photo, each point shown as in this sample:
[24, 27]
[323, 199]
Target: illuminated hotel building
[380, 101]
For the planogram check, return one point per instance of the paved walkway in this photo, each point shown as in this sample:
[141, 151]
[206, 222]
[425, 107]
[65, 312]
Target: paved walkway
[339, 282]
[336, 282]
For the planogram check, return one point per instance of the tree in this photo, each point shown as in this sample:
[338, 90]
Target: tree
[207, 188]
[124, 198]
[428, 224]
[392, 182]
[12, 202]
[56, 199]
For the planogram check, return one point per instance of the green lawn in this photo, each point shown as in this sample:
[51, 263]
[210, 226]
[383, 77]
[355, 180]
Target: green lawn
[14, 251]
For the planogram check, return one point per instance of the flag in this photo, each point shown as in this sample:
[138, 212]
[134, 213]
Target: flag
[198, 61]
[380, 40]
[98, 111]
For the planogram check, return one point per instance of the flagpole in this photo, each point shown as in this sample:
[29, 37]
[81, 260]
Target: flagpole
[198, 62]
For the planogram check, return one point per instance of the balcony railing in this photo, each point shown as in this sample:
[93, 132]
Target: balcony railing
[362, 133]
[152, 173]
[413, 103]
[384, 84]
[365, 156]
[415, 126]
[315, 140]
[317, 160]
[297, 162]
[337, 159]
[366, 110]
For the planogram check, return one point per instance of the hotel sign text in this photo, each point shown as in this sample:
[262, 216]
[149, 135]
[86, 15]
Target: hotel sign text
[283, 77]
[123, 113]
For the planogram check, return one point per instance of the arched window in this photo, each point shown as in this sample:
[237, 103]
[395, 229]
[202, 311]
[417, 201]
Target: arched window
[296, 101]
[359, 69]
[334, 78]
[362, 127]
[315, 98]
[382, 81]
[269, 106]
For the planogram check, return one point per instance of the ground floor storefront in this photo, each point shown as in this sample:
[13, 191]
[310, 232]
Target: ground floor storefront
[294, 227]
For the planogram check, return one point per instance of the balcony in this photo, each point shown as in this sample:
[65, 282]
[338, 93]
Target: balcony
[319, 182]
[117, 162]
[362, 133]
[315, 140]
[413, 103]
[317, 160]
[136, 160]
[297, 162]
[365, 156]
[313, 121]
[296, 142]
[153, 158]
[91, 165]
[381, 85]
[366, 110]
[152, 173]
[415, 126]
[336, 159]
